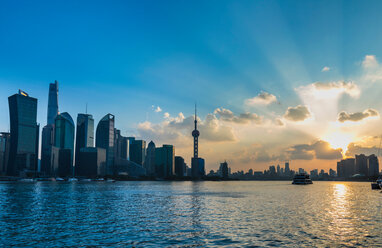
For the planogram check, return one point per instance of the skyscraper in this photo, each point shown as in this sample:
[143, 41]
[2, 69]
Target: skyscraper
[165, 161]
[150, 159]
[224, 169]
[105, 139]
[5, 142]
[373, 165]
[138, 151]
[48, 130]
[84, 133]
[24, 134]
[180, 166]
[361, 164]
[63, 149]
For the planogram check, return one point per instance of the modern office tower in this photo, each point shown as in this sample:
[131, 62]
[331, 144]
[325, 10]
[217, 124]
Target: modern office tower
[138, 151]
[23, 154]
[346, 168]
[150, 159]
[5, 143]
[105, 140]
[84, 133]
[224, 169]
[121, 145]
[180, 166]
[164, 161]
[332, 173]
[91, 162]
[361, 165]
[278, 171]
[373, 165]
[287, 169]
[63, 149]
[194, 161]
[48, 130]
[272, 170]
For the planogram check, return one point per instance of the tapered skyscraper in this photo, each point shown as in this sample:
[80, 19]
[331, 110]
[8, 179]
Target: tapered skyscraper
[48, 130]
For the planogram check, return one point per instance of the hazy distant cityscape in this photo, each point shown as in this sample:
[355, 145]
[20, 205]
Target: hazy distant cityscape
[71, 150]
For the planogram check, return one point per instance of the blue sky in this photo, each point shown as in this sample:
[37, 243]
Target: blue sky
[123, 57]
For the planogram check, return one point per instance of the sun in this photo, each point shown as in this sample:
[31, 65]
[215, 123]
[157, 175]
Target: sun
[339, 140]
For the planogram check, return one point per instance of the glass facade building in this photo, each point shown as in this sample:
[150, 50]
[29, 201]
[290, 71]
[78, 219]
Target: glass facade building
[165, 161]
[138, 151]
[105, 140]
[23, 154]
[150, 159]
[84, 133]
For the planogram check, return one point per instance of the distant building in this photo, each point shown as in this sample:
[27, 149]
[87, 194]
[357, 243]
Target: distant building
[361, 165]
[301, 170]
[63, 152]
[180, 167]
[287, 169]
[278, 170]
[165, 161]
[223, 169]
[373, 165]
[314, 173]
[346, 168]
[272, 170]
[121, 145]
[105, 140]
[91, 162]
[332, 173]
[84, 133]
[138, 151]
[48, 130]
[23, 155]
[5, 143]
[150, 159]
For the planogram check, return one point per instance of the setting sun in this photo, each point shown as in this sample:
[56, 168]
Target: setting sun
[339, 140]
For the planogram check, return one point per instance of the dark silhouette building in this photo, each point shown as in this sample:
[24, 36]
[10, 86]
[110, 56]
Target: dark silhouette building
[121, 145]
[150, 159]
[197, 164]
[23, 154]
[105, 140]
[63, 149]
[346, 168]
[138, 151]
[361, 165]
[164, 161]
[373, 165]
[48, 130]
[224, 169]
[91, 162]
[180, 167]
[5, 143]
[84, 134]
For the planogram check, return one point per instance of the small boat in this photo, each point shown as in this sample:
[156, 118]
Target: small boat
[99, 180]
[302, 179]
[377, 184]
[72, 179]
[59, 179]
[26, 180]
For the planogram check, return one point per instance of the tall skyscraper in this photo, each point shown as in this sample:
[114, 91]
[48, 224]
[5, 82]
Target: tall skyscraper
[224, 169]
[84, 133]
[48, 130]
[105, 140]
[23, 154]
[195, 160]
[180, 167]
[373, 165]
[165, 161]
[150, 159]
[63, 149]
[361, 164]
[121, 145]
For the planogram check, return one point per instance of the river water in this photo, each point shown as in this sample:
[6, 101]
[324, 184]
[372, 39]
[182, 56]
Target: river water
[185, 214]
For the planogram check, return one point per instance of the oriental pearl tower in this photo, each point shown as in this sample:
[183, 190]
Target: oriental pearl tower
[196, 161]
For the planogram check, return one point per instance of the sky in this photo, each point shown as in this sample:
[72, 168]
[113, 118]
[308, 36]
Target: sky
[274, 81]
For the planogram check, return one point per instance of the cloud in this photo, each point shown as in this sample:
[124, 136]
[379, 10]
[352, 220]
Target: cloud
[354, 149]
[326, 68]
[319, 150]
[244, 118]
[298, 113]
[178, 129]
[166, 115]
[279, 122]
[264, 98]
[321, 90]
[370, 61]
[357, 116]
[158, 109]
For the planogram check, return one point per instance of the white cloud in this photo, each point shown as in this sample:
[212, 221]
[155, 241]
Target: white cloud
[357, 116]
[264, 98]
[370, 61]
[298, 113]
[326, 68]
[158, 109]
[166, 115]
[244, 118]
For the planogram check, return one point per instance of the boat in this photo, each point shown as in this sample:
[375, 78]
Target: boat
[377, 184]
[72, 179]
[59, 179]
[302, 179]
[26, 180]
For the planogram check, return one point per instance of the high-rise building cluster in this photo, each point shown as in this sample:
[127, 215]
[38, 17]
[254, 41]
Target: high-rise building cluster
[361, 165]
[79, 149]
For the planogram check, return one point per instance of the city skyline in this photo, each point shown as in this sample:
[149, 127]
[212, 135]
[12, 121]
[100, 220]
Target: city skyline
[311, 98]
